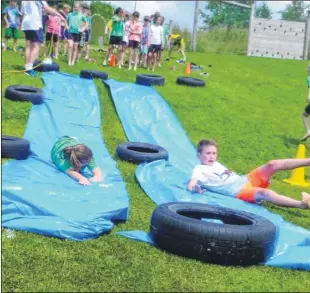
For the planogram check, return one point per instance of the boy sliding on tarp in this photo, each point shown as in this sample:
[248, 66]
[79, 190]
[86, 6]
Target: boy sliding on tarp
[213, 176]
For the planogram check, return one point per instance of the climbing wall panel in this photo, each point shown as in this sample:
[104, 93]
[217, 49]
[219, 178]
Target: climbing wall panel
[276, 39]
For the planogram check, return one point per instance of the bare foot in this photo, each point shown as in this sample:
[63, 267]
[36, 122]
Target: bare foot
[306, 136]
[306, 199]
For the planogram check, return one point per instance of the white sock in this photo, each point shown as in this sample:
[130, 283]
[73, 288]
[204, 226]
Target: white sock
[29, 66]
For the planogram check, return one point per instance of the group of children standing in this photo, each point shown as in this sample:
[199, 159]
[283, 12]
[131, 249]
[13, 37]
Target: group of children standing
[71, 28]
[145, 42]
[74, 31]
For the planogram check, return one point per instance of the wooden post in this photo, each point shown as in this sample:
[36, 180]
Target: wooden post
[252, 15]
[170, 26]
[194, 35]
[306, 39]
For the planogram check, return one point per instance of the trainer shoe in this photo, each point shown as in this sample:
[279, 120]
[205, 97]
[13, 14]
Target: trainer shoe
[31, 72]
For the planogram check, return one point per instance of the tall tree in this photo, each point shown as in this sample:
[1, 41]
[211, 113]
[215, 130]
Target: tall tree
[263, 11]
[295, 11]
[221, 13]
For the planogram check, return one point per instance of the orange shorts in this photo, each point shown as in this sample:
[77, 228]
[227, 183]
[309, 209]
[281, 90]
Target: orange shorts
[255, 180]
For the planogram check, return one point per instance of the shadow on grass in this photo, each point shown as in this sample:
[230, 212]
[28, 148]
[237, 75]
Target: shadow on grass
[289, 141]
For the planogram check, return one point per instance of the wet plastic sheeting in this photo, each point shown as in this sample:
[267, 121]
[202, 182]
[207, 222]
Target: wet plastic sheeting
[146, 117]
[38, 198]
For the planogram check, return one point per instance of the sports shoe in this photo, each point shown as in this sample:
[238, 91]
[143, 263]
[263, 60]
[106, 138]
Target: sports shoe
[31, 72]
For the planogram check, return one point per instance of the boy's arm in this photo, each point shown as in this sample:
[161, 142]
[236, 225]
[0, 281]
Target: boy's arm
[6, 20]
[83, 26]
[78, 177]
[194, 187]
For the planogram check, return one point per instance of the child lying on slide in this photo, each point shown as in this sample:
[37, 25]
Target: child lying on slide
[213, 176]
[70, 157]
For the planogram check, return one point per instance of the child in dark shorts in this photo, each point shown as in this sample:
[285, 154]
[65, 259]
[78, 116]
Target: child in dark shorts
[116, 35]
[135, 29]
[306, 113]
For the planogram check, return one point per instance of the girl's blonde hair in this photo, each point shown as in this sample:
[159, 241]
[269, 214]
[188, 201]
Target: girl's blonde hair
[77, 154]
[66, 6]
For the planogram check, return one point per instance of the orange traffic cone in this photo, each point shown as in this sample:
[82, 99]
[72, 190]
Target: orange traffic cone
[187, 69]
[112, 61]
[298, 174]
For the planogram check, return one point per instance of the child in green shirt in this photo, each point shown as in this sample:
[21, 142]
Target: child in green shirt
[71, 157]
[116, 36]
[77, 24]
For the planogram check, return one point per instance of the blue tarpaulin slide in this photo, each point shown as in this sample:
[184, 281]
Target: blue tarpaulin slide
[38, 198]
[147, 118]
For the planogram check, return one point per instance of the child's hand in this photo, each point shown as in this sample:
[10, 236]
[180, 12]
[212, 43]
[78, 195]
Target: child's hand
[95, 179]
[198, 189]
[84, 181]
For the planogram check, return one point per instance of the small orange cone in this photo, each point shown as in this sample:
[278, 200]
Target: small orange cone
[112, 61]
[298, 174]
[187, 69]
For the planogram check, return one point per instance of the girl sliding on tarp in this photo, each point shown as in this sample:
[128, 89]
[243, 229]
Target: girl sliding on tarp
[72, 157]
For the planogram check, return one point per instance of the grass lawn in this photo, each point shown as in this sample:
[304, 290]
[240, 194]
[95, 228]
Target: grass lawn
[251, 106]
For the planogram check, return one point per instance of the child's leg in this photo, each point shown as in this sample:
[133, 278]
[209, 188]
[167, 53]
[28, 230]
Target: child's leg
[281, 200]
[35, 50]
[70, 52]
[65, 46]
[87, 51]
[149, 59]
[170, 51]
[145, 60]
[15, 37]
[46, 46]
[75, 52]
[56, 46]
[182, 51]
[130, 57]
[120, 56]
[305, 119]
[154, 60]
[124, 47]
[28, 63]
[267, 170]
[160, 57]
[14, 44]
[136, 52]
[107, 55]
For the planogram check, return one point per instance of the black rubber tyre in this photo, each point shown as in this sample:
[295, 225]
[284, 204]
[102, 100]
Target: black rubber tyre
[14, 147]
[149, 79]
[90, 74]
[243, 238]
[138, 152]
[196, 82]
[24, 93]
[45, 67]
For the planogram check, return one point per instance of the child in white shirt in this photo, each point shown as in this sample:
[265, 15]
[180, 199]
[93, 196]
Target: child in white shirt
[156, 41]
[213, 176]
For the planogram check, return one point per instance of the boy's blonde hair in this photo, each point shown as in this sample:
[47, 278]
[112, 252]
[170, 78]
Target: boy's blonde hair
[203, 143]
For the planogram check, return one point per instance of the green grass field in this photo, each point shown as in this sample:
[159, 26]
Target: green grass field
[251, 106]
